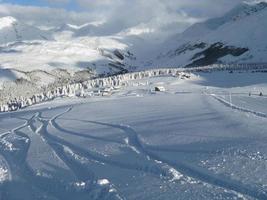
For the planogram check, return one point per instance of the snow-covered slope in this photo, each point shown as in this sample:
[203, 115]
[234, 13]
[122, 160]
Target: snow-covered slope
[43, 63]
[12, 30]
[238, 36]
[189, 142]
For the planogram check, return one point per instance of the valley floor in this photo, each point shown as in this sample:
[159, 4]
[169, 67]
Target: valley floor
[203, 138]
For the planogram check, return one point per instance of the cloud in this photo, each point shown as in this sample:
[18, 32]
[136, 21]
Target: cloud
[161, 16]
[57, 2]
[174, 15]
[44, 15]
[154, 14]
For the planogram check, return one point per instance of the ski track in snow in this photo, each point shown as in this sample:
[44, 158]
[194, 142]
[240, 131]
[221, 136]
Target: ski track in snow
[17, 164]
[94, 156]
[190, 171]
[180, 167]
[235, 107]
[58, 145]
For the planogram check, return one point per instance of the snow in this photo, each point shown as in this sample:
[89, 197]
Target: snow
[4, 171]
[137, 144]
[103, 182]
[7, 22]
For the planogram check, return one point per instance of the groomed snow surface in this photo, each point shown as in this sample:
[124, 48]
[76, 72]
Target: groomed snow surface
[200, 139]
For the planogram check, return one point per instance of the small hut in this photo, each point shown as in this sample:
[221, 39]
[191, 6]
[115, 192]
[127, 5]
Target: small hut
[160, 89]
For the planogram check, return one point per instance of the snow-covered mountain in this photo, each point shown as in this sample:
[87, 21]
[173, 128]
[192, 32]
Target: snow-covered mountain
[32, 59]
[36, 55]
[238, 36]
[12, 30]
[91, 29]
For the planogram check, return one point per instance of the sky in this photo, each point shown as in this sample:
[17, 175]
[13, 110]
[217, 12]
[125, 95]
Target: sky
[171, 16]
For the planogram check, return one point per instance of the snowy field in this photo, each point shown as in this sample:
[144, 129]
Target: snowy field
[203, 138]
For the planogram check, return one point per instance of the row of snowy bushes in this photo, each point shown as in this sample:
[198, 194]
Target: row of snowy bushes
[78, 89]
[228, 67]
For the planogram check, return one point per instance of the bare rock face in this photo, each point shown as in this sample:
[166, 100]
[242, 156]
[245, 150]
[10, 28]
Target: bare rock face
[213, 53]
[118, 54]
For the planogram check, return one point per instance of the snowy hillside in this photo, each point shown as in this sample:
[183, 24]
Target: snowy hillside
[20, 43]
[12, 30]
[238, 36]
[31, 58]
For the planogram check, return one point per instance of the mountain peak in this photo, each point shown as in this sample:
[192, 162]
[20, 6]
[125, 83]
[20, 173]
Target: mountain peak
[7, 21]
[239, 12]
[249, 7]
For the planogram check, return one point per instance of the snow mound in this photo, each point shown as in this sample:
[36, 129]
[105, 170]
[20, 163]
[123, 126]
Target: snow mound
[103, 182]
[7, 22]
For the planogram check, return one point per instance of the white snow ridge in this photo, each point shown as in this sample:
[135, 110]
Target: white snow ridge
[98, 110]
[7, 22]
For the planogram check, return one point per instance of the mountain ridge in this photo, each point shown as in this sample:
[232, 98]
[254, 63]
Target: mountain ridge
[240, 30]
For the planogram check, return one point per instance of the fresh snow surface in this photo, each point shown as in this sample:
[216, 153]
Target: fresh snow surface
[202, 138]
